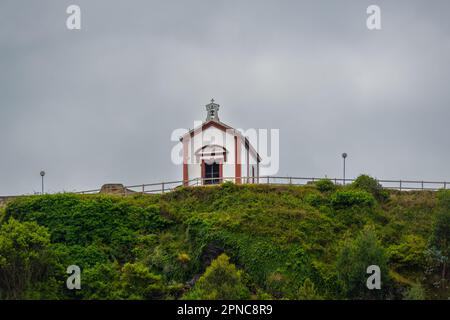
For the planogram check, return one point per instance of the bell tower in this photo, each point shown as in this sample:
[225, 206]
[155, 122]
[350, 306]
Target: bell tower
[212, 111]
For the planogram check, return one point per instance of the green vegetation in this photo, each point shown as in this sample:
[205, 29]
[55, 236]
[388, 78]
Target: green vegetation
[415, 292]
[354, 258]
[229, 242]
[26, 261]
[221, 281]
[325, 185]
[440, 237]
[308, 291]
[369, 184]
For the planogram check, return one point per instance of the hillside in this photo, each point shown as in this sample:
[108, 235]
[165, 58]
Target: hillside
[228, 241]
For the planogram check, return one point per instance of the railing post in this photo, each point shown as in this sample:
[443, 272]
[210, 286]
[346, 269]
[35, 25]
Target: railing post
[445, 185]
[267, 179]
[162, 187]
[143, 188]
[400, 185]
[422, 185]
[290, 180]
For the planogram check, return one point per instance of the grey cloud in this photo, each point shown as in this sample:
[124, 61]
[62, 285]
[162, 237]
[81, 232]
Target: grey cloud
[99, 105]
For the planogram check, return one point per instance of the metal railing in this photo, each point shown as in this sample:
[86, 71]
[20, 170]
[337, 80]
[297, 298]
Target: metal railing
[163, 187]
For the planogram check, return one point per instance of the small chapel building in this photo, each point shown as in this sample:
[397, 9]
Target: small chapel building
[214, 152]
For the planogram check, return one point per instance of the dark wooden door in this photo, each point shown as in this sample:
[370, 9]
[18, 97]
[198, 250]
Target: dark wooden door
[212, 173]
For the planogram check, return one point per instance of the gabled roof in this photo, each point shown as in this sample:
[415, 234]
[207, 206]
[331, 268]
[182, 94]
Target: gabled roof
[222, 126]
[211, 123]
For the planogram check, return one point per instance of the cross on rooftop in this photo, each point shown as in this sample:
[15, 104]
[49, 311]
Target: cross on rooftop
[212, 110]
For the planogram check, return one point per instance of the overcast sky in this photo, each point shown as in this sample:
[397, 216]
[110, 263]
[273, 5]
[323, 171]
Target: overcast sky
[99, 105]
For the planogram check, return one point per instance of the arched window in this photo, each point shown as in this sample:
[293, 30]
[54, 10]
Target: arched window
[209, 152]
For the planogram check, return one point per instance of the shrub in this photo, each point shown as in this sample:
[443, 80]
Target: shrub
[228, 186]
[308, 291]
[371, 185]
[2, 212]
[25, 257]
[349, 198]
[409, 253]
[352, 262]
[325, 185]
[76, 220]
[444, 199]
[276, 283]
[221, 281]
[440, 236]
[316, 200]
[183, 258]
[101, 282]
[415, 292]
[137, 282]
[132, 281]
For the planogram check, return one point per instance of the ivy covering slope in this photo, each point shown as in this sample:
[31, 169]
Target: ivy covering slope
[229, 241]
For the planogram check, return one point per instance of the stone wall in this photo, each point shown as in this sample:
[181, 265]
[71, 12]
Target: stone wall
[115, 188]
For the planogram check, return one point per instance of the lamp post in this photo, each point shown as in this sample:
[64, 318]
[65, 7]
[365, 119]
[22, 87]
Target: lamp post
[344, 155]
[42, 180]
